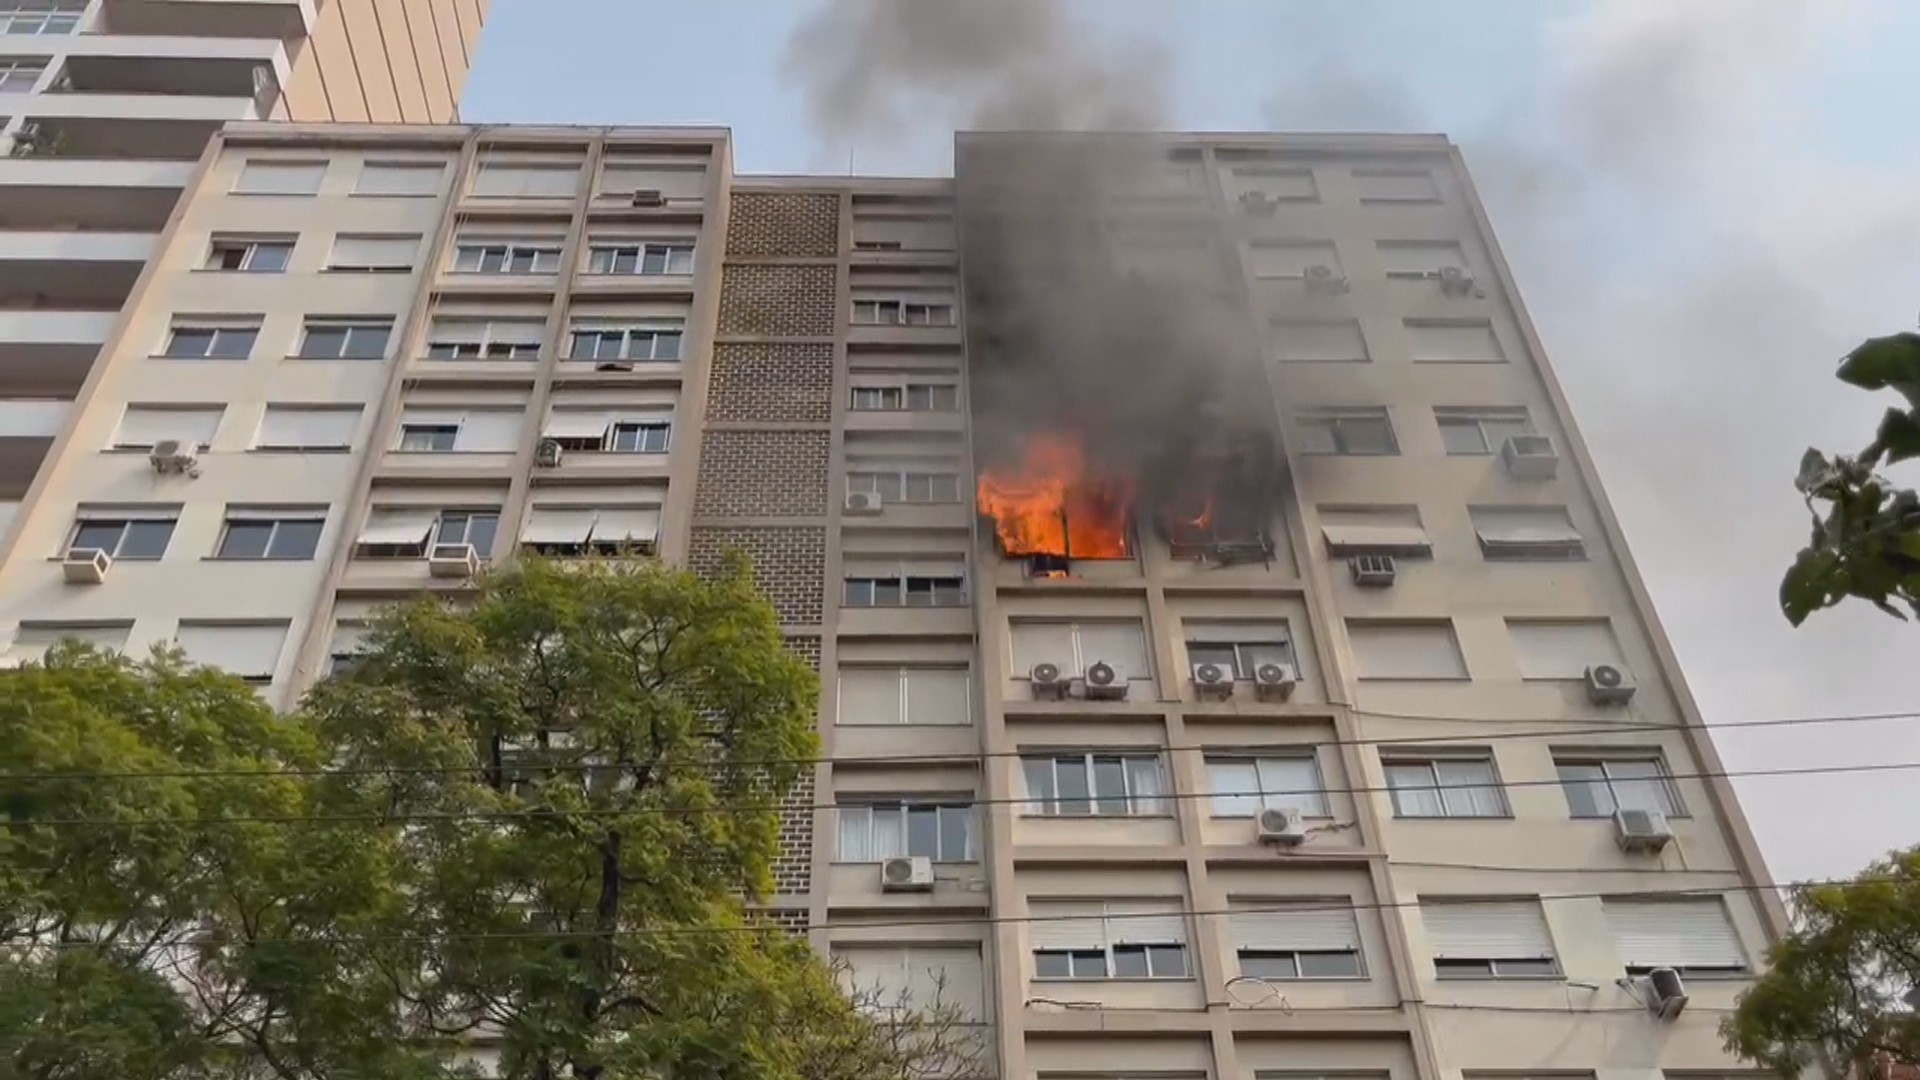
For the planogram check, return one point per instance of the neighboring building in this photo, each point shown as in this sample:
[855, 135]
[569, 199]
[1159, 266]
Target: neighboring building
[105, 106]
[420, 346]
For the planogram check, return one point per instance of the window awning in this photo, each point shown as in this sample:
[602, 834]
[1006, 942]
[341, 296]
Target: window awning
[638, 525]
[1381, 539]
[397, 527]
[558, 527]
[577, 425]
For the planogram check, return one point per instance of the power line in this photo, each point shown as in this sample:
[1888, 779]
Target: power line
[775, 807]
[985, 755]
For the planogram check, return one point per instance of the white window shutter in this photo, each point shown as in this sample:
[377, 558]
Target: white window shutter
[1121, 643]
[1421, 256]
[504, 180]
[1311, 341]
[1462, 342]
[495, 431]
[1305, 925]
[576, 424]
[307, 426]
[32, 641]
[397, 527]
[144, 425]
[547, 525]
[1486, 930]
[281, 177]
[400, 178]
[449, 330]
[1674, 933]
[1524, 524]
[1235, 631]
[938, 696]
[1042, 643]
[870, 696]
[1562, 649]
[1066, 924]
[629, 525]
[949, 977]
[249, 650]
[1145, 922]
[525, 332]
[1405, 651]
[1291, 260]
[347, 637]
[390, 252]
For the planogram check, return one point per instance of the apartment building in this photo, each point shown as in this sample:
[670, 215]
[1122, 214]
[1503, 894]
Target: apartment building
[1325, 729]
[106, 105]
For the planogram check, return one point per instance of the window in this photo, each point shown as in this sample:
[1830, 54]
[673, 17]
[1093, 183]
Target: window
[474, 527]
[1107, 939]
[1693, 936]
[345, 339]
[500, 180]
[911, 397]
[19, 75]
[258, 177]
[479, 431]
[1338, 342]
[1374, 530]
[343, 648]
[1072, 646]
[1526, 533]
[143, 425]
[40, 16]
[887, 979]
[1488, 939]
[1347, 431]
[123, 533]
[1276, 184]
[488, 339]
[371, 254]
[1282, 260]
[906, 485]
[1418, 259]
[1285, 940]
[657, 257]
[876, 245]
[539, 256]
[1445, 341]
[576, 532]
[1562, 648]
[876, 831]
[1405, 650]
[598, 432]
[211, 341]
[1242, 787]
[307, 428]
[634, 437]
[639, 342]
[1239, 647]
[32, 640]
[276, 534]
[400, 179]
[1597, 786]
[906, 586]
[905, 695]
[1101, 785]
[1396, 185]
[901, 313]
[406, 533]
[1444, 786]
[251, 256]
[1480, 431]
[248, 650]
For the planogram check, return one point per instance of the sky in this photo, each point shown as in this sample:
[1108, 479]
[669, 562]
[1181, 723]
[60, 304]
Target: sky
[1705, 205]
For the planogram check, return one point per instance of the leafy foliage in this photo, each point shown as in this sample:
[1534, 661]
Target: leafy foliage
[1867, 542]
[518, 835]
[1839, 985]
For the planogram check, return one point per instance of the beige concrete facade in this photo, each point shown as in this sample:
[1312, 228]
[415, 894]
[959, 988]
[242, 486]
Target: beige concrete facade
[592, 285]
[105, 106]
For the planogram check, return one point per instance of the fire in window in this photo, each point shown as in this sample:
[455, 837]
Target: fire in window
[1050, 508]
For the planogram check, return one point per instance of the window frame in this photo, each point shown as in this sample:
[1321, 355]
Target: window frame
[1319, 806]
[1662, 781]
[348, 327]
[873, 480]
[1242, 664]
[439, 169]
[274, 524]
[249, 249]
[1335, 423]
[215, 329]
[1110, 952]
[1415, 758]
[487, 348]
[344, 446]
[627, 334]
[281, 163]
[1154, 805]
[406, 430]
[944, 590]
[903, 309]
[550, 251]
[123, 521]
[334, 266]
[872, 808]
[1478, 418]
[641, 430]
[671, 252]
[437, 535]
[47, 17]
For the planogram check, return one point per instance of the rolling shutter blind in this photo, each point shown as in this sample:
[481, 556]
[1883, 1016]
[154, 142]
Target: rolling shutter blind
[1674, 933]
[947, 976]
[550, 526]
[1417, 257]
[249, 650]
[395, 252]
[938, 696]
[1346, 539]
[144, 425]
[347, 637]
[500, 180]
[1066, 924]
[1120, 643]
[281, 177]
[1405, 651]
[1562, 649]
[1489, 930]
[31, 642]
[1524, 525]
[1307, 341]
[490, 431]
[638, 525]
[1235, 631]
[400, 178]
[1291, 260]
[416, 417]
[397, 527]
[1305, 925]
[458, 331]
[1042, 643]
[518, 331]
[1395, 186]
[1145, 922]
[1472, 342]
[297, 426]
[869, 695]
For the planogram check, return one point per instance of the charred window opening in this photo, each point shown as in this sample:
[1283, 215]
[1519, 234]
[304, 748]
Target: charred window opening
[1221, 517]
[1050, 510]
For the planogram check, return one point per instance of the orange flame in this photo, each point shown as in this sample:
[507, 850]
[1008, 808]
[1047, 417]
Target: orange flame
[1050, 506]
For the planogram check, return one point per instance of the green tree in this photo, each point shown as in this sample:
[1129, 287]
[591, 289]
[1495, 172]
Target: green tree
[1866, 540]
[1842, 985]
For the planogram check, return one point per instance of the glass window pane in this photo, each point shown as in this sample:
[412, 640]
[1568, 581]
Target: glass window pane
[233, 344]
[1500, 430]
[1071, 777]
[1413, 791]
[145, 539]
[367, 342]
[1039, 774]
[856, 827]
[1586, 789]
[98, 536]
[1110, 785]
[923, 831]
[1261, 965]
[1292, 782]
[1316, 437]
[246, 540]
[1328, 965]
[1090, 965]
[1143, 781]
[1130, 962]
[480, 533]
[1052, 965]
[1257, 653]
[1167, 961]
[1366, 435]
[1469, 801]
[956, 832]
[1203, 653]
[1235, 788]
[1462, 437]
[295, 540]
[187, 343]
[323, 342]
[889, 832]
[1639, 785]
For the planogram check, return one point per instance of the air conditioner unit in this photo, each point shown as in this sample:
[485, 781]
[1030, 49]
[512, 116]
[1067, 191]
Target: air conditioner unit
[1103, 683]
[864, 503]
[86, 566]
[453, 561]
[1258, 202]
[1048, 681]
[1641, 830]
[1455, 281]
[1324, 279]
[175, 456]
[649, 197]
[1274, 682]
[1212, 681]
[1530, 457]
[1608, 685]
[1286, 827]
[906, 873]
[1666, 993]
[548, 453]
[1372, 571]
[613, 366]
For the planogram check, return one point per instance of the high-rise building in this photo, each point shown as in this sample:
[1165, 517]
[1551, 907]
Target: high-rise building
[1231, 667]
[105, 106]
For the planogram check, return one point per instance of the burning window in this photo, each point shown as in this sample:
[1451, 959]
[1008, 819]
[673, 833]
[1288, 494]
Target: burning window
[1222, 524]
[1048, 507]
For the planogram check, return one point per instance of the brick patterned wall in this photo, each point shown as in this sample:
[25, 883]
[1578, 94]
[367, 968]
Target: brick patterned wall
[793, 869]
[763, 474]
[792, 920]
[789, 564]
[790, 382]
[778, 301]
[783, 223]
[807, 649]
